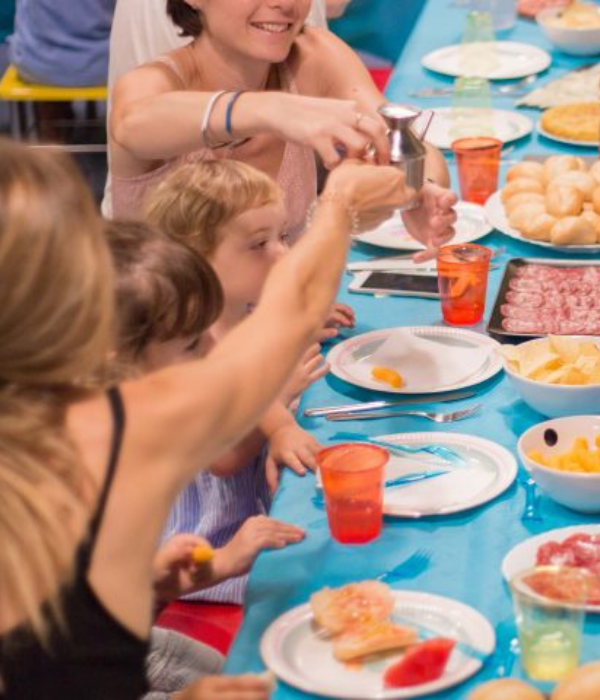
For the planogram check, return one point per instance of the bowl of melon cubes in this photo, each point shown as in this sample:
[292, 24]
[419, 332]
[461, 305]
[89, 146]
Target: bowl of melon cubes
[563, 457]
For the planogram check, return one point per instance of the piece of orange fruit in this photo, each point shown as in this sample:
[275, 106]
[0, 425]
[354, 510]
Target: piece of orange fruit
[202, 553]
[387, 375]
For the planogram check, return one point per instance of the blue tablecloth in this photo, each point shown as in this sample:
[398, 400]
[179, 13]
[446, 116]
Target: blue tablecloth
[467, 548]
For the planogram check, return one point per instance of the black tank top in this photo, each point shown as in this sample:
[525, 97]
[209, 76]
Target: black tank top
[94, 657]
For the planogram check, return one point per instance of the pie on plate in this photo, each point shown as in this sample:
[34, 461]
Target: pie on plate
[577, 121]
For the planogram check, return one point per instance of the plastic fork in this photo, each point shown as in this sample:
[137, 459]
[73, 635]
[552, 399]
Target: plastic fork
[411, 567]
[435, 416]
[531, 510]
[444, 453]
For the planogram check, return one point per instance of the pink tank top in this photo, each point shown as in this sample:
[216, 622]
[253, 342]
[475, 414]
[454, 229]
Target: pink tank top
[297, 175]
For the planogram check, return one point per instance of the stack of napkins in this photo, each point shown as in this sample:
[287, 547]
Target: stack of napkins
[424, 364]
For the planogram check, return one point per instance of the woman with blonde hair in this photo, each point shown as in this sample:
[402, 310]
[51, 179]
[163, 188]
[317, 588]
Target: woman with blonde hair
[86, 485]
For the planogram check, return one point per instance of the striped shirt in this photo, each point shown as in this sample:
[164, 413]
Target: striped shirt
[215, 508]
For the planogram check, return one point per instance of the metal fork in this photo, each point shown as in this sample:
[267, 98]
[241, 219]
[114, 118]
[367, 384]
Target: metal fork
[411, 567]
[509, 89]
[435, 416]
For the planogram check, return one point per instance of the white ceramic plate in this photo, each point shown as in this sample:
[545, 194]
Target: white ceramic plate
[494, 210]
[564, 139]
[471, 225]
[451, 123]
[344, 357]
[502, 60]
[489, 470]
[295, 653]
[523, 555]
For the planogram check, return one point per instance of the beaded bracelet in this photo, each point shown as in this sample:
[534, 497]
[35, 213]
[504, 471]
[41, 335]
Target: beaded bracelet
[336, 198]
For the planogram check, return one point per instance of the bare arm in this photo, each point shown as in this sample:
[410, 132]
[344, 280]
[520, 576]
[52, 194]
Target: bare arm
[179, 420]
[154, 119]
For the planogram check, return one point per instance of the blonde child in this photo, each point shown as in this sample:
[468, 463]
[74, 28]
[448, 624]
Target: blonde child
[234, 215]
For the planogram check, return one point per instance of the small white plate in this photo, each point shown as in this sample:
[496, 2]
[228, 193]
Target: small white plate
[471, 225]
[489, 470]
[523, 556]
[451, 123]
[292, 649]
[498, 60]
[496, 215]
[564, 139]
[344, 357]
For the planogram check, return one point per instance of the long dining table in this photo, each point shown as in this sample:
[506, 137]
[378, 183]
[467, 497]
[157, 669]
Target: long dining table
[466, 548]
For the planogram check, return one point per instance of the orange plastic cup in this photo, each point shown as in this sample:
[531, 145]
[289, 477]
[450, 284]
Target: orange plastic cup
[478, 162]
[462, 281]
[352, 477]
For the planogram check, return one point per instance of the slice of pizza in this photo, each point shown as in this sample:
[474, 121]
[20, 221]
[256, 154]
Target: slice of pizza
[338, 609]
[371, 638]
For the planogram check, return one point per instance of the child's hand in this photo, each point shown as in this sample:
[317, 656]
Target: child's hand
[257, 533]
[290, 446]
[341, 316]
[248, 687]
[432, 223]
[175, 572]
[310, 368]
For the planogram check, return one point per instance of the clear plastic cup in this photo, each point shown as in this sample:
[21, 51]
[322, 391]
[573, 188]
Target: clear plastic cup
[471, 113]
[352, 476]
[550, 627]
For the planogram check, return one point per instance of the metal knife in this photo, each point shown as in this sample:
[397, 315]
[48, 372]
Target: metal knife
[374, 405]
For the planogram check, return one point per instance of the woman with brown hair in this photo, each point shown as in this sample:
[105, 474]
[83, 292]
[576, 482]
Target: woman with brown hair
[254, 84]
[86, 482]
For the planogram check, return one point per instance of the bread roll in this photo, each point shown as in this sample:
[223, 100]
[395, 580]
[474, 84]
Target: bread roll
[521, 184]
[582, 684]
[539, 227]
[595, 171]
[527, 169]
[523, 198]
[594, 219]
[524, 213]
[506, 689]
[563, 200]
[557, 165]
[573, 230]
[584, 182]
[596, 200]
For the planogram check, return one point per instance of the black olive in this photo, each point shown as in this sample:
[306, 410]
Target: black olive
[550, 437]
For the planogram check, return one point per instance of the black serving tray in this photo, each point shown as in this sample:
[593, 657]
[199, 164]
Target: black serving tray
[494, 327]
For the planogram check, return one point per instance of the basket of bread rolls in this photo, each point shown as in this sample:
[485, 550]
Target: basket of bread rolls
[556, 201]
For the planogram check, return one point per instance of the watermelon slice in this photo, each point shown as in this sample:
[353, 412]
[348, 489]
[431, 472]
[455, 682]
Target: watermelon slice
[422, 663]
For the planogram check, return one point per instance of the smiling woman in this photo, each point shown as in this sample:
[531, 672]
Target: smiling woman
[254, 84]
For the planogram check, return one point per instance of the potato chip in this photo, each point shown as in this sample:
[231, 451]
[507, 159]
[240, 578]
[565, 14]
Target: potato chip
[556, 360]
[568, 348]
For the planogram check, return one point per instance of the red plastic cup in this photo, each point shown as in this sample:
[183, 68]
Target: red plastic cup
[352, 477]
[478, 162]
[462, 280]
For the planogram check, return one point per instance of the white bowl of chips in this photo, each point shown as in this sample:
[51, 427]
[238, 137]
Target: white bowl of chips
[563, 458]
[574, 29]
[556, 376]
